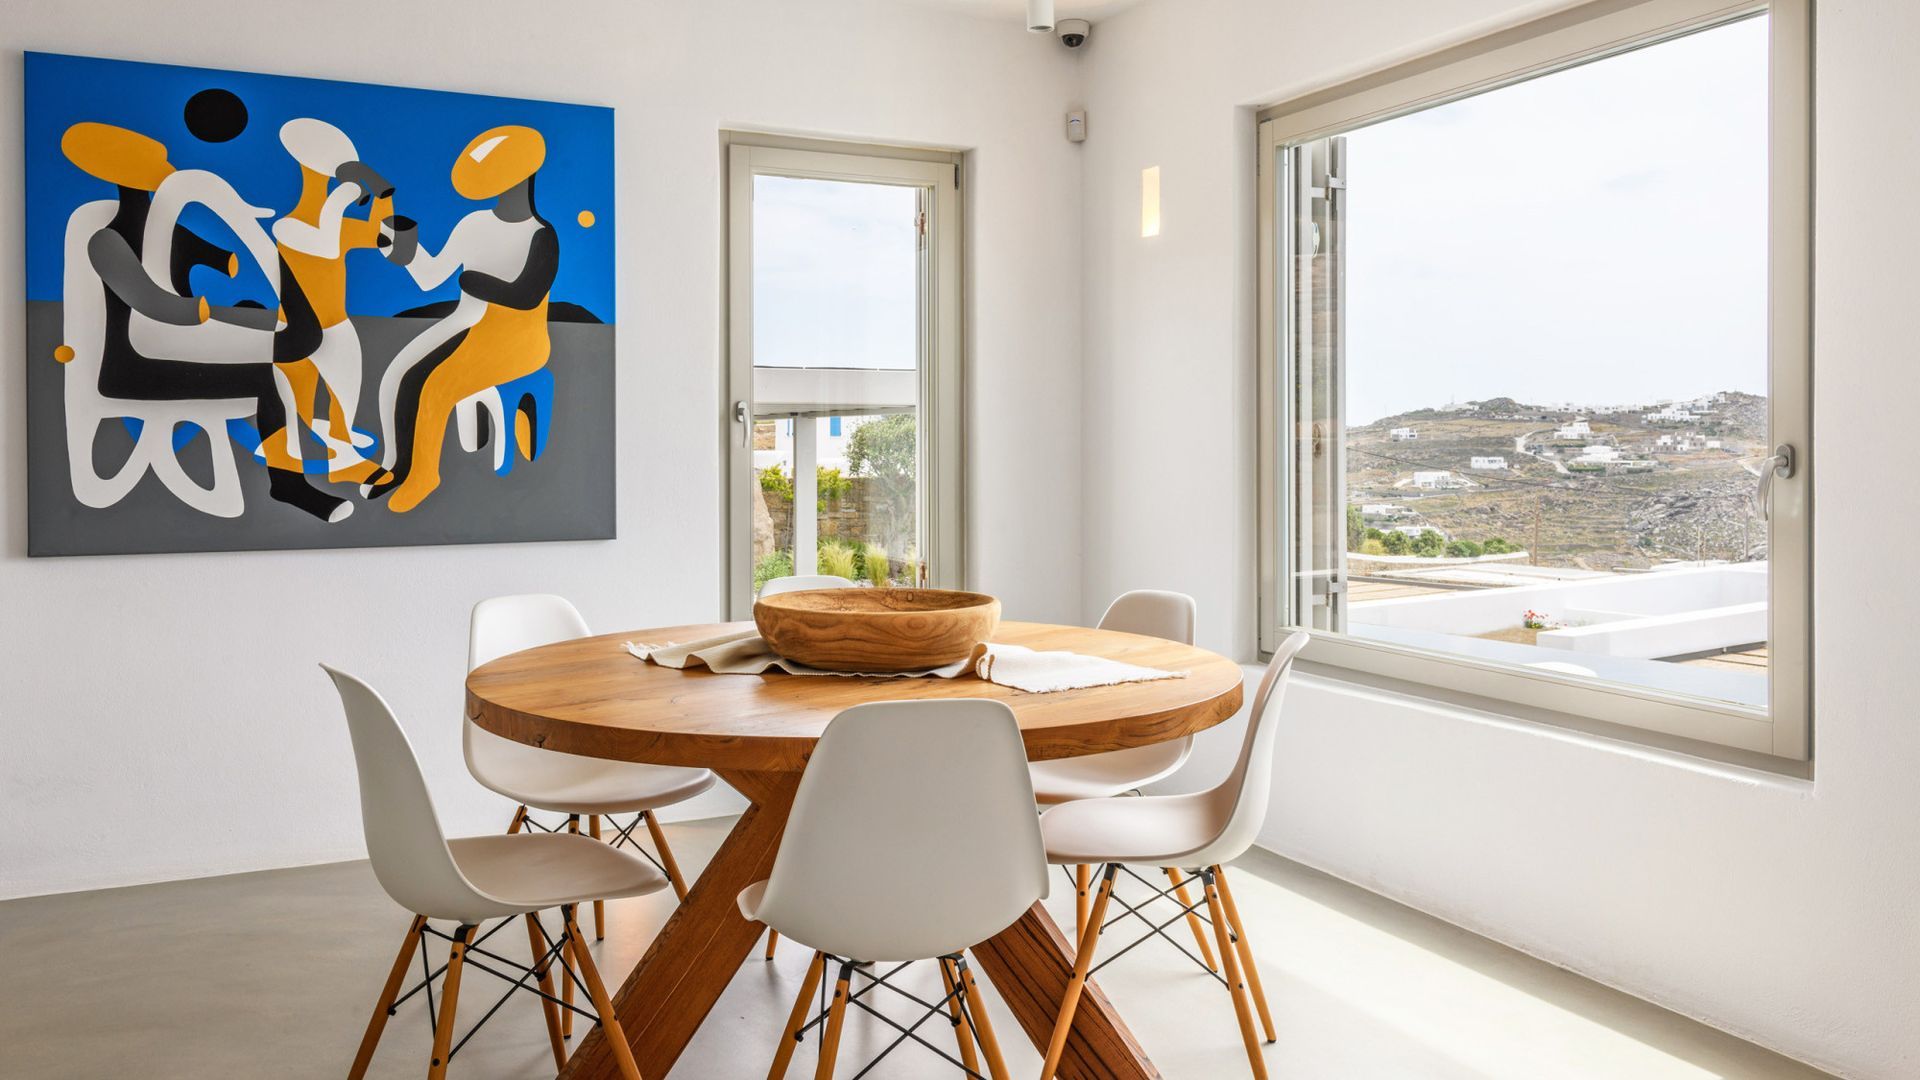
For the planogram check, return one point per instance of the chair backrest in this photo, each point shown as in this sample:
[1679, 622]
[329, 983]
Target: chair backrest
[912, 835]
[1153, 613]
[508, 624]
[1242, 798]
[404, 838]
[798, 582]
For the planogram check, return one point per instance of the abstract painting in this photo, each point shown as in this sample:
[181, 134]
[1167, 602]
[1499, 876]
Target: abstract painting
[271, 312]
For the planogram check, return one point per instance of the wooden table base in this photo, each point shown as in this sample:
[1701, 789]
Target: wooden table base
[685, 970]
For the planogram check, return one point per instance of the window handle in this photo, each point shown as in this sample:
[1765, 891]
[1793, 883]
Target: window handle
[746, 424]
[1781, 464]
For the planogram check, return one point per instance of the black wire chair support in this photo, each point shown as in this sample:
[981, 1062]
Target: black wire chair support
[553, 957]
[943, 1007]
[1135, 911]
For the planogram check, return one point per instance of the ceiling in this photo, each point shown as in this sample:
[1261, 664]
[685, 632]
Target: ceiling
[1017, 9]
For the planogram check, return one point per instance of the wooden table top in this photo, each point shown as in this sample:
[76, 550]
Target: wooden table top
[590, 696]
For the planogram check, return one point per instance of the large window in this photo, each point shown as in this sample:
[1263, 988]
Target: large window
[1537, 410]
[843, 424]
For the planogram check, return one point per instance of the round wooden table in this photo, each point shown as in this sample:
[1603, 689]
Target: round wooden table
[591, 697]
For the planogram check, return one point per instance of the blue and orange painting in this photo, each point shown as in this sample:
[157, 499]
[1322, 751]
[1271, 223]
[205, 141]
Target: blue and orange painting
[274, 312]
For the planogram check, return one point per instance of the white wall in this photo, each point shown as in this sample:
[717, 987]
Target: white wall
[156, 723]
[1782, 910]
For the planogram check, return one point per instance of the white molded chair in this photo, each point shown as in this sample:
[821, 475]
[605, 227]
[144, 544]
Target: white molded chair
[1201, 832]
[569, 784]
[469, 881]
[1150, 613]
[801, 582]
[912, 837]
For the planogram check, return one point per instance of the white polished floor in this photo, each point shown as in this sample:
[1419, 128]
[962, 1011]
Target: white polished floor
[272, 974]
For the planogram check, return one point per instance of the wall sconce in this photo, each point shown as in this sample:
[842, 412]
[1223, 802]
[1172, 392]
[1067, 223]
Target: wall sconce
[1150, 201]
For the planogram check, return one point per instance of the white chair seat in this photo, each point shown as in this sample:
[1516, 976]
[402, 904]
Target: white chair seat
[571, 784]
[1101, 776]
[531, 872]
[1152, 830]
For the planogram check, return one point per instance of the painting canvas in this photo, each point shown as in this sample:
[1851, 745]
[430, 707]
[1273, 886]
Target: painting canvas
[271, 312]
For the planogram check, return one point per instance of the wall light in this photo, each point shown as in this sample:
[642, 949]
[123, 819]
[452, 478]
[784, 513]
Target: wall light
[1040, 16]
[1150, 201]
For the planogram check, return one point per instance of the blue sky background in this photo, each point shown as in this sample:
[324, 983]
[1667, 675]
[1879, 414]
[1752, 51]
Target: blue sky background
[410, 136]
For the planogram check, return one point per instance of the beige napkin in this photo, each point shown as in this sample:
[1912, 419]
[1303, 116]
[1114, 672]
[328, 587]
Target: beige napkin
[1021, 668]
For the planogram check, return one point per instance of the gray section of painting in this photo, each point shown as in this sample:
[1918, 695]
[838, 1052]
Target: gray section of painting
[567, 494]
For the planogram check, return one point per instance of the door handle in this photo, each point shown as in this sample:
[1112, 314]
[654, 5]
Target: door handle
[741, 417]
[1782, 465]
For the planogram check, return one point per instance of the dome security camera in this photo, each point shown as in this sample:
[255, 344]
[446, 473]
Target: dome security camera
[1074, 32]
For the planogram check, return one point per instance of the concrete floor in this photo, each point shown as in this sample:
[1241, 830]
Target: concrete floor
[273, 974]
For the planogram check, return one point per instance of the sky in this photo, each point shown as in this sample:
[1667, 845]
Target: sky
[1595, 236]
[412, 137]
[835, 274]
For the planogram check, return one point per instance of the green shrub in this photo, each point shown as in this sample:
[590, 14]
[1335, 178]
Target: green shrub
[1464, 549]
[837, 558]
[1428, 544]
[773, 565]
[833, 486]
[1373, 545]
[875, 564]
[1396, 543]
[775, 481]
[1498, 546]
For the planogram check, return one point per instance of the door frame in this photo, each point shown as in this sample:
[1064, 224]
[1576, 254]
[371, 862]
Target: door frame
[941, 481]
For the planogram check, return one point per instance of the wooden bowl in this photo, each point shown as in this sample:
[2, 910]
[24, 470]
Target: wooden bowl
[876, 630]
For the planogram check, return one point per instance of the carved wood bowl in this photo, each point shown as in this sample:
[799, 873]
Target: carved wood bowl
[876, 630]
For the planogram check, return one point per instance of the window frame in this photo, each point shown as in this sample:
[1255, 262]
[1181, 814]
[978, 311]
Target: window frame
[940, 418]
[1780, 736]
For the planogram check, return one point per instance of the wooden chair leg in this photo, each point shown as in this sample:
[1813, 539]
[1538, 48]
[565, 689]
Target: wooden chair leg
[1082, 891]
[790, 1036]
[1247, 965]
[566, 984]
[388, 992]
[666, 855]
[543, 972]
[982, 1024]
[1083, 961]
[773, 941]
[519, 819]
[602, 1003]
[1236, 983]
[962, 1031]
[1193, 920]
[566, 994]
[599, 906]
[836, 1019]
[449, 1002]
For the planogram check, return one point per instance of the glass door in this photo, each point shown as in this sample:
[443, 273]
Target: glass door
[843, 345]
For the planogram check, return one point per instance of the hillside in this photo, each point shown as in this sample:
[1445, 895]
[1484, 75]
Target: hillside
[1629, 486]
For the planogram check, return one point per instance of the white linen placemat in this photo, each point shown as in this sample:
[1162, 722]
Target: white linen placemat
[1021, 668]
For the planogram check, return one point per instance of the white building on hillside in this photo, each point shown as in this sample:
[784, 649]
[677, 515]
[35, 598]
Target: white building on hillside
[1493, 462]
[1402, 434]
[1672, 414]
[1579, 429]
[1431, 479]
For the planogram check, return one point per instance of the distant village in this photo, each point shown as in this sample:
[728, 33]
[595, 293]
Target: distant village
[1612, 486]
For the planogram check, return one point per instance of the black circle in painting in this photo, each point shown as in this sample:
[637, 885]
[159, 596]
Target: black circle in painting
[216, 115]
